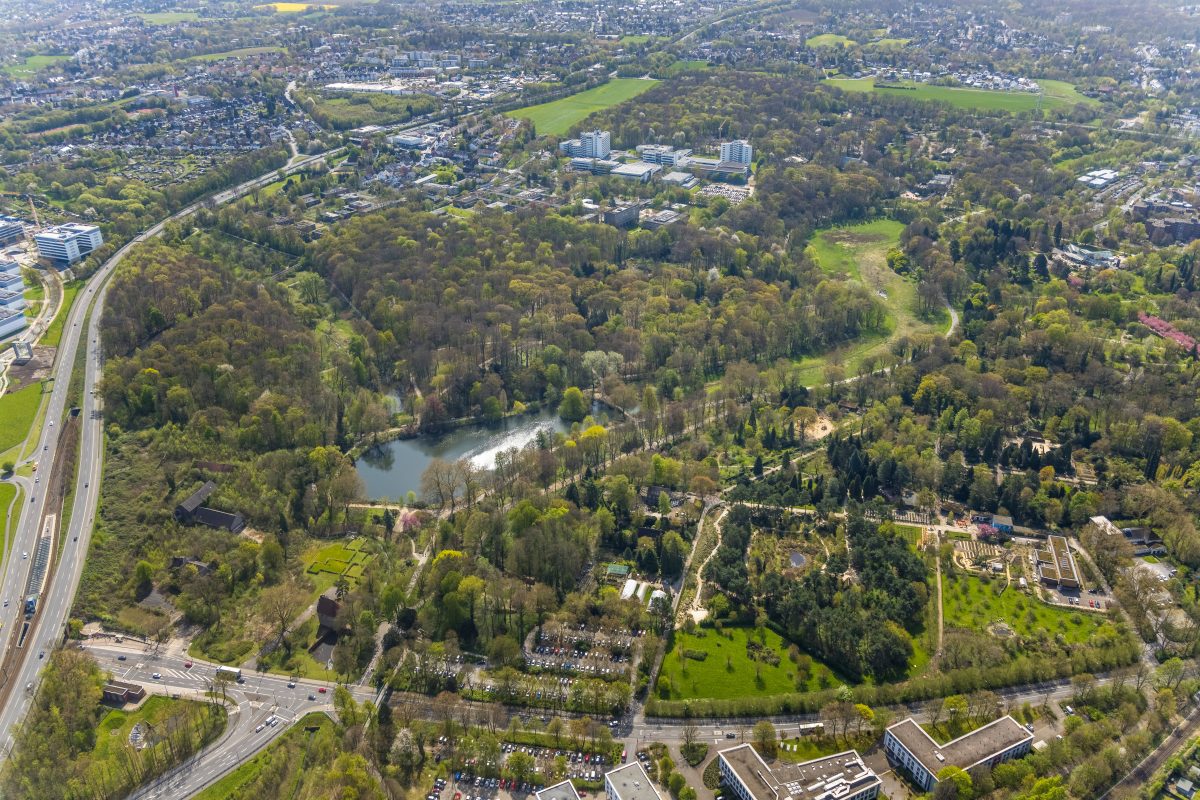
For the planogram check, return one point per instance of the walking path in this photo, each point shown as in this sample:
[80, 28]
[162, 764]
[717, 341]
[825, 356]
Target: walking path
[696, 608]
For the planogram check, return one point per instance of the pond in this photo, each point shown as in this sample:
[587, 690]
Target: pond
[798, 559]
[394, 469]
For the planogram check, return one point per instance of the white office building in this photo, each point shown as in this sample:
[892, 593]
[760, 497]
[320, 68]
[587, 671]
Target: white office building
[910, 748]
[11, 282]
[663, 154]
[65, 244]
[11, 231]
[12, 300]
[842, 776]
[629, 782]
[9, 267]
[737, 152]
[12, 322]
[590, 144]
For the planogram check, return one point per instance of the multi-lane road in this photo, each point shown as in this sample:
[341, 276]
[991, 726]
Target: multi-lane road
[22, 664]
[261, 698]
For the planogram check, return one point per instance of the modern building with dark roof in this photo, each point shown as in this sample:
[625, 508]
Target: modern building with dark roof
[908, 746]
[842, 776]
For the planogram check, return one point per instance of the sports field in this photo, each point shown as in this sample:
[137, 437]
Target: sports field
[1056, 95]
[557, 117]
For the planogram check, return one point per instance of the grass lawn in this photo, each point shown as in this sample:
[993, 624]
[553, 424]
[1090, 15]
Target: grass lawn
[277, 751]
[636, 38]
[968, 603]
[687, 65]
[243, 51]
[112, 737]
[53, 334]
[830, 40]
[557, 117]
[888, 44]
[1056, 95]
[10, 494]
[295, 8]
[31, 65]
[17, 412]
[168, 17]
[1065, 92]
[910, 532]
[728, 671]
[1150, 559]
[34, 297]
[859, 252]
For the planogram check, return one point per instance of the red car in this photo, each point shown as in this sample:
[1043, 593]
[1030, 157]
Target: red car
[187, 665]
[322, 690]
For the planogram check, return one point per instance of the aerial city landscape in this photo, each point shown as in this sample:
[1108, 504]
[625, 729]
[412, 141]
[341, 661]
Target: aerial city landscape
[651, 399]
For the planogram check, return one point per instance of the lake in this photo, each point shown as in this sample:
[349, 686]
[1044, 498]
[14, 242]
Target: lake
[394, 468]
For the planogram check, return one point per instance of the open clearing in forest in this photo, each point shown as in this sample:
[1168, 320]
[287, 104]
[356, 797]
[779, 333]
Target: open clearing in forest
[859, 252]
[556, 117]
[1056, 95]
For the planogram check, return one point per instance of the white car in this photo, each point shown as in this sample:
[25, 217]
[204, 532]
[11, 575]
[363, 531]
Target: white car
[259, 728]
[24, 556]
[157, 676]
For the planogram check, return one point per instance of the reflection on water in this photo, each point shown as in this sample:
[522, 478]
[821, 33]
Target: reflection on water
[394, 469]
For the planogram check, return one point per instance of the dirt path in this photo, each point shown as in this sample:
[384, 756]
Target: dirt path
[937, 653]
[697, 609]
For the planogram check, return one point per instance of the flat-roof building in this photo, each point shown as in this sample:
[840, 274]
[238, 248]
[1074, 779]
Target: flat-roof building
[842, 776]
[663, 154]
[559, 791]
[738, 151]
[908, 746]
[590, 144]
[1056, 564]
[65, 244]
[12, 322]
[12, 299]
[638, 170]
[629, 782]
[9, 267]
[11, 231]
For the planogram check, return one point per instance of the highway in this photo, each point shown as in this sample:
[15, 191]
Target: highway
[21, 665]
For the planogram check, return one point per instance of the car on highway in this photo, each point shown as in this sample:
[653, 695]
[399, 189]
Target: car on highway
[157, 676]
[322, 690]
[291, 684]
[312, 696]
[259, 728]
[187, 665]
[6, 602]
[41, 653]
[24, 556]
[121, 657]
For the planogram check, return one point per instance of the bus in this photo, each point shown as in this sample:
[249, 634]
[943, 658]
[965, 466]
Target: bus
[229, 674]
